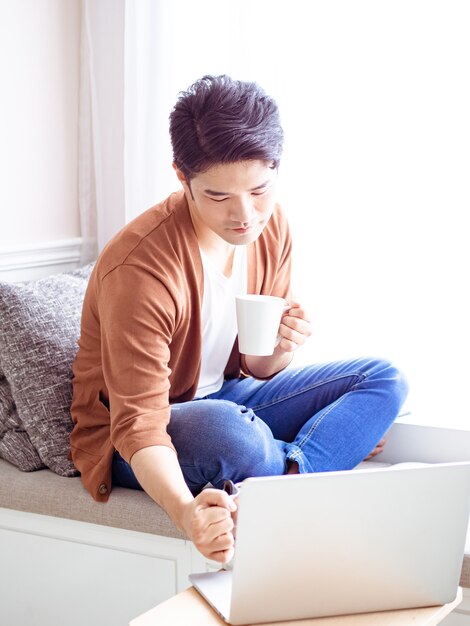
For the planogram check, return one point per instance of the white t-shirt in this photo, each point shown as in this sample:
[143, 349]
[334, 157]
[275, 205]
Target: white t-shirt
[219, 322]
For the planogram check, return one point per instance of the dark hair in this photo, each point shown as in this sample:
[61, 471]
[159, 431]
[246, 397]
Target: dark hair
[221, 120]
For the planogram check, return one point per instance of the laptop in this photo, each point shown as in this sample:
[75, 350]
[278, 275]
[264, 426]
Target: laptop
[337, 543]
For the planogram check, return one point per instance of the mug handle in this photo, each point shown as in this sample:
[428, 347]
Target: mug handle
[278, 338]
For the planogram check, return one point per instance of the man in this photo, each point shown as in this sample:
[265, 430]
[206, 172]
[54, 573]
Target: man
[163, 400]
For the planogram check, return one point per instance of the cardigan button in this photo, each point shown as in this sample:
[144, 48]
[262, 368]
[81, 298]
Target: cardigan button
[103, 489]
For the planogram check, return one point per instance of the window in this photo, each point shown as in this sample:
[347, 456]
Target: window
[374, 99]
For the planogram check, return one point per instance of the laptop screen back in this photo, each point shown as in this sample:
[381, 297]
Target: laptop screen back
[349, 542]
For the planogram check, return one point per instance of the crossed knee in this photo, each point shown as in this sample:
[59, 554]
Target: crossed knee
[222, 432]
[388, 378]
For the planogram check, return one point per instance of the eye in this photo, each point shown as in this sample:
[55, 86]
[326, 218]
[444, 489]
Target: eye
[222, 200]
[258, 193]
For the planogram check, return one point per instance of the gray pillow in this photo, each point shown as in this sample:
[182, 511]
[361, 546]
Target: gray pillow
[39, 329]
[15, 445]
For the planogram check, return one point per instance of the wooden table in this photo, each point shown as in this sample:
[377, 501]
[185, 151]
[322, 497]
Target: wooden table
[189, 608]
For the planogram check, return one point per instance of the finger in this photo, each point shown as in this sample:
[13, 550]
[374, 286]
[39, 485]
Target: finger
[208, 540]
[299, 325]
[217, 498]
[222, 542]
[212, 520]
[213, 514]
[296, 316]
[219, 538]
[217, 529]
[297, 312]
[295, 308]
[294, 336]
[205, 529]
[221, 556]
[287, 346]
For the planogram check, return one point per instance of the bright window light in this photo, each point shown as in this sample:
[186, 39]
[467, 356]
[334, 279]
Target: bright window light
[375, 102]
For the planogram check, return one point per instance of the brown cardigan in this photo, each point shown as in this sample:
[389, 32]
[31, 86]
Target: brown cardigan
[140, 344]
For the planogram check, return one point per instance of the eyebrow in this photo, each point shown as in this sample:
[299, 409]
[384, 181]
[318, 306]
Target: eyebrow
[210, 192]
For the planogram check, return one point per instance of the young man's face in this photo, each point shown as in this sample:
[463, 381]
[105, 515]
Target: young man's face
[232, 201]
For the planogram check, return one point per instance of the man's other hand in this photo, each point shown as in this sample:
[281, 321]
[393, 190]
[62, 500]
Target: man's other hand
[295, 328]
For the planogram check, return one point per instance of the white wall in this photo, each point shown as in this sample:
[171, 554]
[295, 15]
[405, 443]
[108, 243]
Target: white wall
[39, 66]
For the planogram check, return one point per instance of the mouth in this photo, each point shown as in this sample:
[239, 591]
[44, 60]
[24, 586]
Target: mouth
[243, 231]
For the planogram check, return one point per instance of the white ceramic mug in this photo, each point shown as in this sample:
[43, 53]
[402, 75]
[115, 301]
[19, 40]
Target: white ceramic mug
[258, 320]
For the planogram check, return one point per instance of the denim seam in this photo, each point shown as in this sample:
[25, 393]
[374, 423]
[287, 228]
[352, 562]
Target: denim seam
[361, 375]
[298, 457]
[317, 422]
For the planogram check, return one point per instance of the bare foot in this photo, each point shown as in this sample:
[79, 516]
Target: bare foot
[377, 450]
[293, 468]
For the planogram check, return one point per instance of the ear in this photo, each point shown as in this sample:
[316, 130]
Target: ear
[179, 174]
[182, 178]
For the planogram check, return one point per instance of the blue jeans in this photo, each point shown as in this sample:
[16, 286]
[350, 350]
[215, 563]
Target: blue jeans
[325, 417]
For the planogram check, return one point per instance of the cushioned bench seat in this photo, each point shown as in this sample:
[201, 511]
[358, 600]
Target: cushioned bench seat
[465, 576]
[46, 493]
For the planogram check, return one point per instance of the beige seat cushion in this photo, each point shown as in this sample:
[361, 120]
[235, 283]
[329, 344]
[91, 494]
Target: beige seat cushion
[47, 493]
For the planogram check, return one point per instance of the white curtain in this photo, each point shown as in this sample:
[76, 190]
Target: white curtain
[374, 98]
[86, 157]
[101, 125]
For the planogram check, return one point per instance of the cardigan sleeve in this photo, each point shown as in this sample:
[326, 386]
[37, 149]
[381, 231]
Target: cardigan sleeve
[137, 318]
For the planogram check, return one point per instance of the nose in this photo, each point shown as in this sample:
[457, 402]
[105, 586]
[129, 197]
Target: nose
[243, 211]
